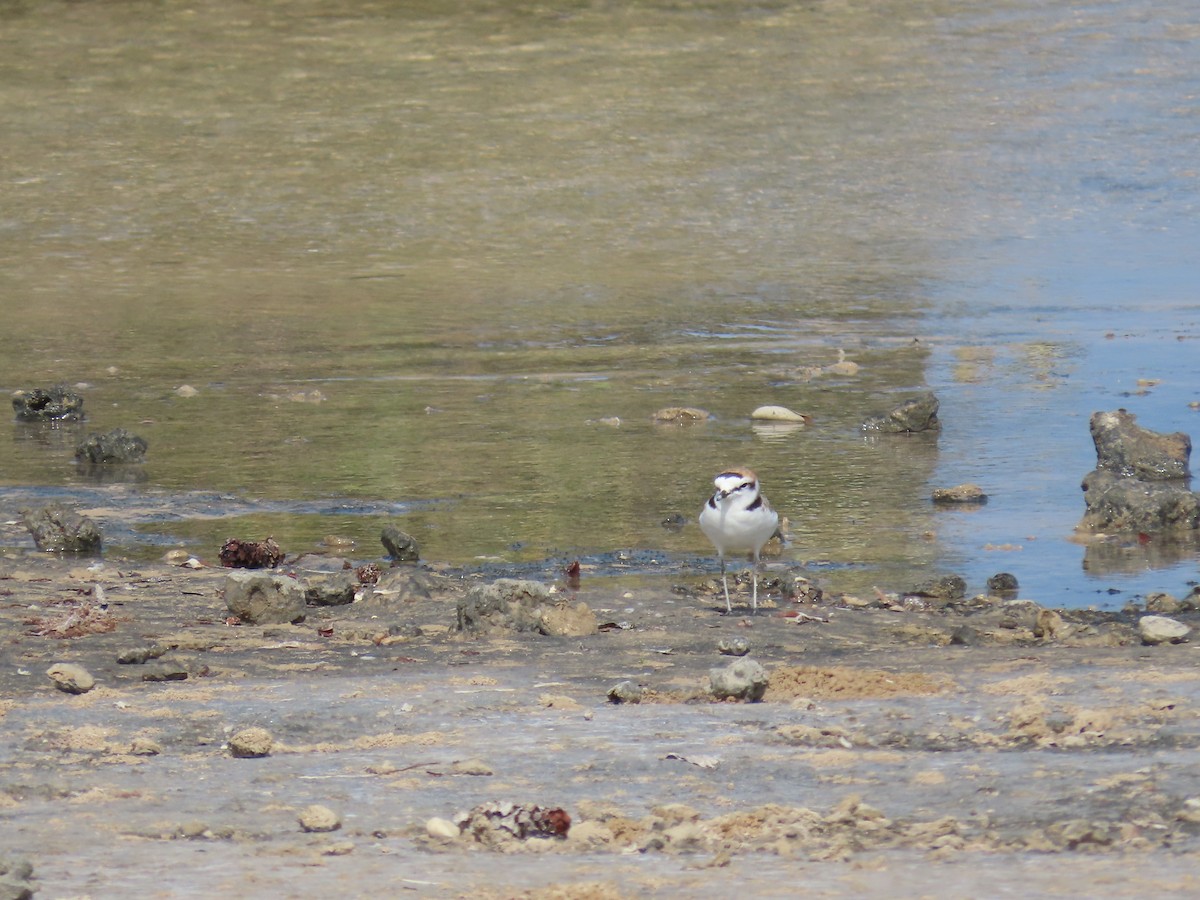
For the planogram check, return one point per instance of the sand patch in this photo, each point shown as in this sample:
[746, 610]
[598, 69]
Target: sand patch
[848, 683]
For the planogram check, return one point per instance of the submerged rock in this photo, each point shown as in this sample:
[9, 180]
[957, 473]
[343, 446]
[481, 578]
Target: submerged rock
[58, 404]
[913, 415]
[115, 447]
[58, 530]
[680, 415]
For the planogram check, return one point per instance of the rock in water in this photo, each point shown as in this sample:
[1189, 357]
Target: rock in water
[1125, 448]
[54, 405]
[1118, 503]
[400, 546]
[913, 415]
[743, 679]
[115, 447]
[58, 530]
[962, 493]
[680, 415]
[1140, 480]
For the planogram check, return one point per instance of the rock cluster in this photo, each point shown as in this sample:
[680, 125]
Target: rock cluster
[522, 605]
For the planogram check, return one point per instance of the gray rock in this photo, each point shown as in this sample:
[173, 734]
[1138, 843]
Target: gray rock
[337, 589]
[258, 598]
[1118, 503]
[71, 678]
[1125, 448]
[115, 447]
[166, 670]
[522, 605]
[136, 656]
[742, 679]
[58, 404]
[912, 415]
[399, 586]
[1161, 630]
[625, 692]
[58, 530]
[400, 546]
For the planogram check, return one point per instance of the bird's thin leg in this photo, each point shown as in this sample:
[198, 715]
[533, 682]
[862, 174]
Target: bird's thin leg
[725, 584]
[754, 589]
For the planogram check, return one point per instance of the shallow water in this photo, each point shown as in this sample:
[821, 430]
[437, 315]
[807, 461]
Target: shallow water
[410, 256]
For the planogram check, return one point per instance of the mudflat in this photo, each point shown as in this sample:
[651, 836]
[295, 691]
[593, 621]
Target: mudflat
[985, 748]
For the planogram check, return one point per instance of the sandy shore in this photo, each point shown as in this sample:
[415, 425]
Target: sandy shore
[981, 749]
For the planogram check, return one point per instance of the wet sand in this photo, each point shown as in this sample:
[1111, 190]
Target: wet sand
[1048, 755]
